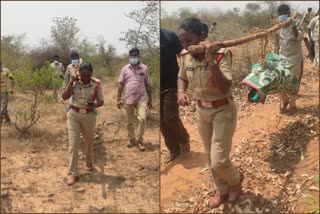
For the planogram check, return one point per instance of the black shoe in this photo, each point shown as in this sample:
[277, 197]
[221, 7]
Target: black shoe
[170, 157]
[185, 148]
[131, 144]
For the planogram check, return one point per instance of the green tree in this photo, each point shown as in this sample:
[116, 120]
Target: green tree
[146, 34]
[86, 49]
[13, 52]
[64, 34]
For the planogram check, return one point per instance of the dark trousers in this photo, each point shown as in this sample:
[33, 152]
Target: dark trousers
[172, 129]
[4, 106]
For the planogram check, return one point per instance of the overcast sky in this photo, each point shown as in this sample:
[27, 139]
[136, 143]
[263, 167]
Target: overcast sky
[173, 6]
[93, 18]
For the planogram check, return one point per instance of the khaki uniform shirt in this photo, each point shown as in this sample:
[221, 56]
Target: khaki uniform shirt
[71, 70]
[58, 67]
[5, 80]
[314, 26]
[199, 75]
[82, 94]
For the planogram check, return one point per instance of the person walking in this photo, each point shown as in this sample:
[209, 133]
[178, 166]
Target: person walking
[287, 42]
[87, 95]
[135, 79]
[7, 85]
[209, 74]
[313, 34]
[174, 133]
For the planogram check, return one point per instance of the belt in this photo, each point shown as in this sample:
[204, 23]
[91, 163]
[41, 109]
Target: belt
[213, 104]
[81, 110]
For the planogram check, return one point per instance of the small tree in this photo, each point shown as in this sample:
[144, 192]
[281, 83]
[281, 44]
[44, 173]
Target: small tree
[32, 83]
[146, 35]
[107, 54]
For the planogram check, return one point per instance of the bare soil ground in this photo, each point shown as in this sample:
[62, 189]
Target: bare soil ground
[124, 180]
[278, 154]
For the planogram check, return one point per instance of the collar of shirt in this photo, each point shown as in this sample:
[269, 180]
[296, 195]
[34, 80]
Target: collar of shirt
[135, 69]
[80, 84]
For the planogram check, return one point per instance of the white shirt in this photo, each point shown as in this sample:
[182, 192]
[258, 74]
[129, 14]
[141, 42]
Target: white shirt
[314, 26]
[288, 45]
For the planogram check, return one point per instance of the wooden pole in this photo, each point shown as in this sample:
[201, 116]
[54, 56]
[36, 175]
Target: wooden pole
[235, 42]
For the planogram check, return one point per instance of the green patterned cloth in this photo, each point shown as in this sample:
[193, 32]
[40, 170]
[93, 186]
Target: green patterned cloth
[276, 77]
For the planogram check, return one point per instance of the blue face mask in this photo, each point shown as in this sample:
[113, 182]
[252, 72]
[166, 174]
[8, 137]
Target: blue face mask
[74, 61]
[133, 60]
[283, 18]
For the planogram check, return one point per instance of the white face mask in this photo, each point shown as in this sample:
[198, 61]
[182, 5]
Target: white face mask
[56, 61]
[134, 60]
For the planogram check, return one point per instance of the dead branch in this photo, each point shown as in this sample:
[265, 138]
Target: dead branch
[263, 33]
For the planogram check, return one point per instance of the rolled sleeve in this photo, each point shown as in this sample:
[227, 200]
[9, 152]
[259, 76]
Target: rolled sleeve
[100, 96]
[121, 76]
[225, 66]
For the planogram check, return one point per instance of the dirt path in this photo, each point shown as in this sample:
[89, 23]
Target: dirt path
[279, 155]
[124, 180]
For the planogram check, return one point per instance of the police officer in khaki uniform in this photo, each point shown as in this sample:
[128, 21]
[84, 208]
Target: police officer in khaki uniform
[73, 68]
[57, 66]
[59, 69]
[210, 77]
[7, 84]
[86, 93]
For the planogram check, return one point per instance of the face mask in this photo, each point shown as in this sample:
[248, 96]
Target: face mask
[74, 61]
[56, 61]
[283, 18]
[85, 79]
[134, 60]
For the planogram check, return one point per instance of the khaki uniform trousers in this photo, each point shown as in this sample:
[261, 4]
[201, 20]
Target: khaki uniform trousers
[141, 111]
[86, 124]
[216, 127]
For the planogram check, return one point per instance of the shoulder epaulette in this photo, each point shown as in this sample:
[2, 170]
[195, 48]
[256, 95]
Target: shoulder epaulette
[95, 79]
[223, 50]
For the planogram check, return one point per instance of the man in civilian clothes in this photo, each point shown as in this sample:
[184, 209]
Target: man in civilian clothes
[174, 133]
[135, 78]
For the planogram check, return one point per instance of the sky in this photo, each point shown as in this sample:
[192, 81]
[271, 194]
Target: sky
[34, 18]
[94, 18]
[173, 6]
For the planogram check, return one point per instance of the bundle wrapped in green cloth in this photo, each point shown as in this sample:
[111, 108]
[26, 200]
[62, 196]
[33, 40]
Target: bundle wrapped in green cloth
[276, 77]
